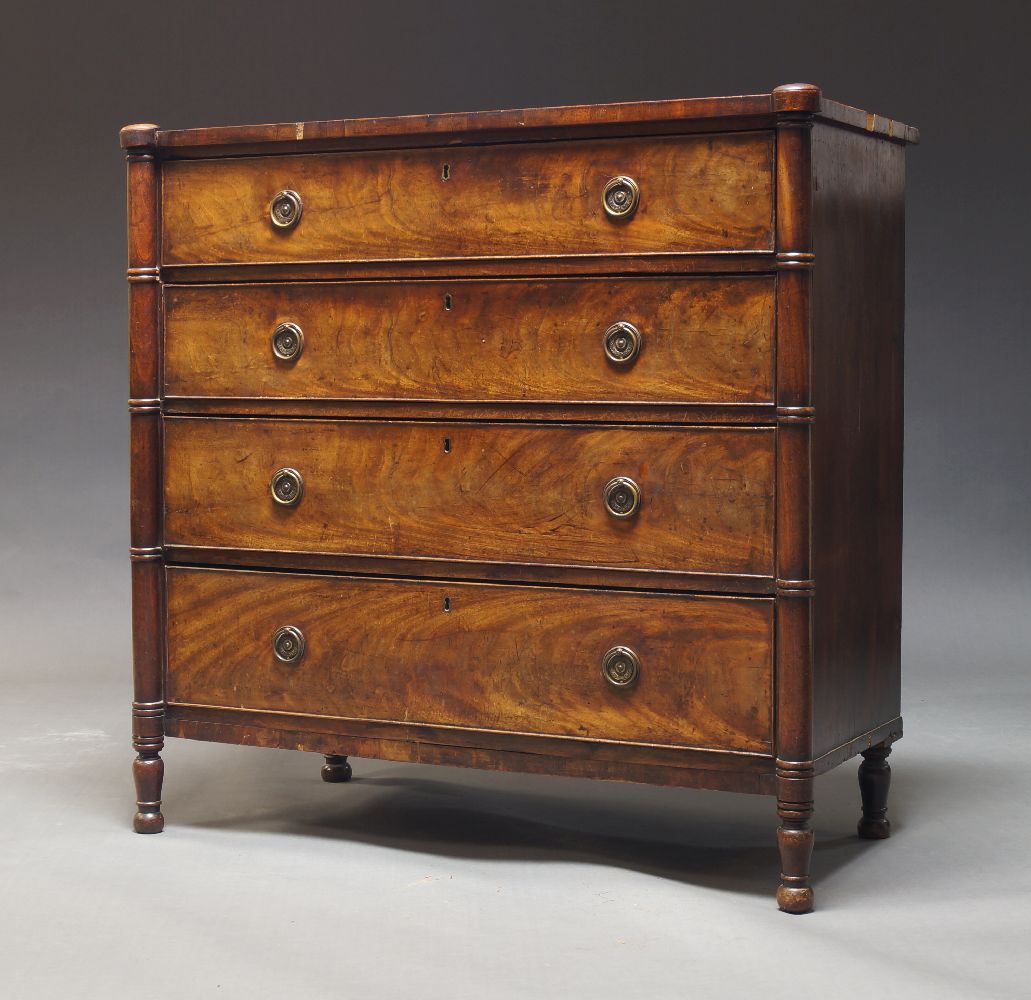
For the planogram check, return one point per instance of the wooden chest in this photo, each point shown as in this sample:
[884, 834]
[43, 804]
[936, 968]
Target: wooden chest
[564, 440]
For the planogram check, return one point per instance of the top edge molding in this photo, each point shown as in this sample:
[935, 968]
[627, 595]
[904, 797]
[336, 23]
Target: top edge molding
[749, 110]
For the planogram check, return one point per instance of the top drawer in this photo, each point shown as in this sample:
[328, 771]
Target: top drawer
[696, 194]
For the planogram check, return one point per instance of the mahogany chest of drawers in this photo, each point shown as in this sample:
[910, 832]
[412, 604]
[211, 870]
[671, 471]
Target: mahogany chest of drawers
[564, 440]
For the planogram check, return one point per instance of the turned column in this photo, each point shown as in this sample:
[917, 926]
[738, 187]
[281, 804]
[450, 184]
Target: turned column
[794, 586]
[145, 553]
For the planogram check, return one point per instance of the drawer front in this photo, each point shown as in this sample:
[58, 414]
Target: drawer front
[700, 340]
[508, 493]
[697, 194]
[522, 659]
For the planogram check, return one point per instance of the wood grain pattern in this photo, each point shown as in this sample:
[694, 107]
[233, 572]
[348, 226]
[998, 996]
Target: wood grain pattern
[506, 492]
[698, 193]
[717, 770]
[524, 659]
[705, 340]
[523, 124]
[456, 422]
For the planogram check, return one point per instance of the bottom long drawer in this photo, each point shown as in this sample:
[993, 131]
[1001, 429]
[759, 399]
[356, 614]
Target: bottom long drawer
[476, 656]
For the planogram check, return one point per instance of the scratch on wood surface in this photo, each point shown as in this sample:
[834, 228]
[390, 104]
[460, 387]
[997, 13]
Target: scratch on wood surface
[299, 130]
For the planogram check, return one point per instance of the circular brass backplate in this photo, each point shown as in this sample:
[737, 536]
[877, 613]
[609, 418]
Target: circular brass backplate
[620, 666]
[287, 487]
[621, 197]
[622, 343]
[285, 210]
[288, 644]
[287, 341]
[622, 497]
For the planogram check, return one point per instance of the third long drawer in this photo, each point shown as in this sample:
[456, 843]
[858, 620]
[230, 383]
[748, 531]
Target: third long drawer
[519, 494]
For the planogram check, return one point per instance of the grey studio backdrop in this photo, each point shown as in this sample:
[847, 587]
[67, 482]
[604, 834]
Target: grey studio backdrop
[440, 882]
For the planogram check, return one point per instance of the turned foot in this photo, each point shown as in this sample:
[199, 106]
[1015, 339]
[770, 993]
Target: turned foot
[874, 782]
[148, 770]
[794, 838]
[336, 768]
[795, 841]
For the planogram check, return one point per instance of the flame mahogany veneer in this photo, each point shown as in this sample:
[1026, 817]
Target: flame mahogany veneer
[562, 440]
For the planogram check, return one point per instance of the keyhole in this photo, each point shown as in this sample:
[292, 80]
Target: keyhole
[447, 302]
[447, 605]
[445, 173]
[447, 446]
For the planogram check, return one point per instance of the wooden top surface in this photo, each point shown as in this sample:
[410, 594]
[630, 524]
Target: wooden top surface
[750, 110]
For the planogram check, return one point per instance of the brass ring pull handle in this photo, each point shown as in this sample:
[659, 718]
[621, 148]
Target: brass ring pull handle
[288, 644]
[285, 210]
[287, 341]
[622, 343]
[620, 666]
[287, 487]
[621, 197]
[622, 497]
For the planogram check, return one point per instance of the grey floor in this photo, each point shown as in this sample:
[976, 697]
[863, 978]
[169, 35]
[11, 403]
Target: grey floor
[426, 882]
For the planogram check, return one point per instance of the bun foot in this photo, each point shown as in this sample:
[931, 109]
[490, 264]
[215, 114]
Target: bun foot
[874, 829]
[148, 822]
[795, 899]
[336, 768]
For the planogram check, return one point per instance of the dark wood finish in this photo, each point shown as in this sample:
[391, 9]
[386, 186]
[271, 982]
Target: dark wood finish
[698, 193]
[584, 120]
[874, 784]
[485, 656]
[858, 306]
[795, 843]
[705, 340]
[763, 421]
[466, 569]
[145, 475]
[730, 773]
[746, 414]
[516, 493]
[345, 734]
[336, 769]
[572, 265]
[794, 583]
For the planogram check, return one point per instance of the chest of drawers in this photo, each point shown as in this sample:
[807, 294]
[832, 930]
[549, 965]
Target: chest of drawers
[564, 440]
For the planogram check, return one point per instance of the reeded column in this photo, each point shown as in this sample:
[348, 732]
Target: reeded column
[145, 553]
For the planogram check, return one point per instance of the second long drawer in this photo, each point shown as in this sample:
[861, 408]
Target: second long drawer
[503, 493]
[579, 340]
